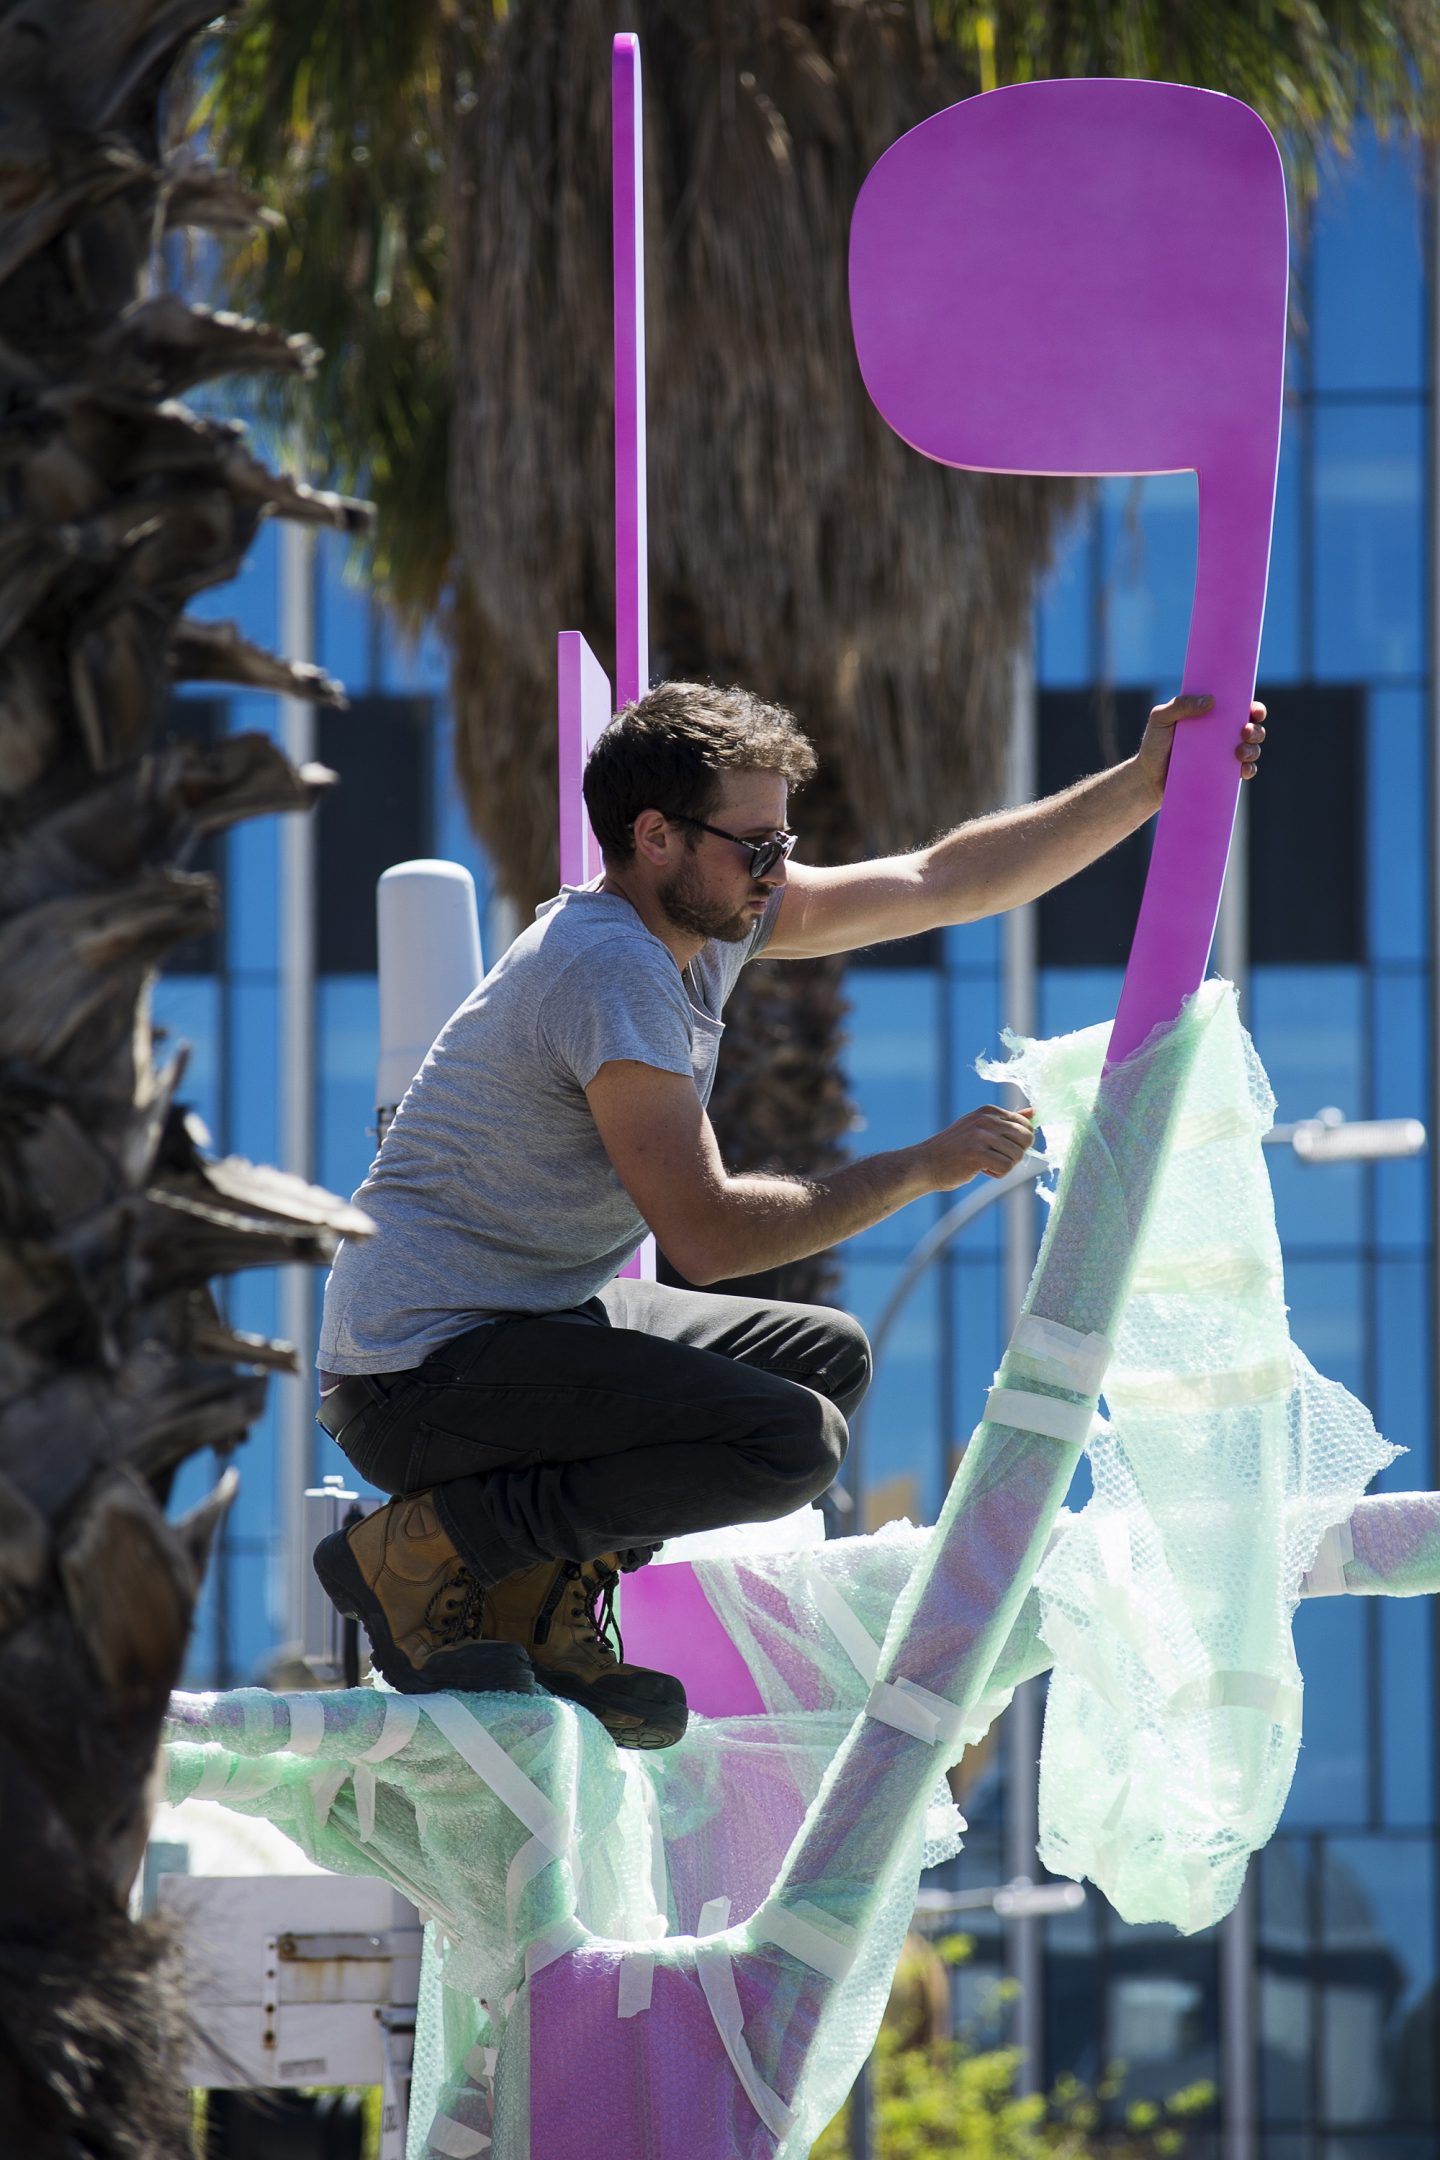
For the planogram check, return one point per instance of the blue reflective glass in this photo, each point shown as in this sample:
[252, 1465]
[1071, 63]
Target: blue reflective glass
[1331, 1775]
[1401, 1402]
[1280, 646]
[1369, 607]
[899, 1430]
[1378, 1969]
[1161, 2017]
[254, 1048]
[977, 1338]
[895, 1070]
[1329, 1317]
[1396, 847]
[1308, 1025]
[413, 663]
[1401, 1084]
[454, 840]
[1407, 1629]
[252, 897]
[1071, 998]
[187, 1009]
[252, 1303]
[348, 1026]
[251, 598]
[1065, 617]
[342, 613]
[1287, 2043]
[1148, 535]
[1367, 272]
[974, 946]
[253, 1626]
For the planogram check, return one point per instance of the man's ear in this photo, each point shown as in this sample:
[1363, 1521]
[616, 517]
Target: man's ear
[655, 837]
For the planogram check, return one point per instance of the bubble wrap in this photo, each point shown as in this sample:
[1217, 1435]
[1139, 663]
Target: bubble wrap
[690, 1951]
[1174, 1711]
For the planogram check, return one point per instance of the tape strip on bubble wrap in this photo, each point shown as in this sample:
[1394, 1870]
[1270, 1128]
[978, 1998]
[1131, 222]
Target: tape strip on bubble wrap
[1023, 1411]
[1325, 1576]
[814, 1937]
[913, 1709]
[1067, 1356]
[451, 2140]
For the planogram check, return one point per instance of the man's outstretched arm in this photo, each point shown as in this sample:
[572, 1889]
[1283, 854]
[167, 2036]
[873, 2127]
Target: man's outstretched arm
[993, 863]
[713, 1226]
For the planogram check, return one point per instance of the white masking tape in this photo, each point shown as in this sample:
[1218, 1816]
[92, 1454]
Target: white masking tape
[1043, 1414]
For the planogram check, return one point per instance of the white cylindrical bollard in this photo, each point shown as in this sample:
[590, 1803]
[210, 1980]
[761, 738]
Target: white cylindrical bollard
[429, 939]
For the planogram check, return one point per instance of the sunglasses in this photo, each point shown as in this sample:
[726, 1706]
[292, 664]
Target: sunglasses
[763, 854]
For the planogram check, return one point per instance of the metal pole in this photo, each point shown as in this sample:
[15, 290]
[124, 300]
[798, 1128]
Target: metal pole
[297, 1070]
[1237, 2027]
[1024, 1944]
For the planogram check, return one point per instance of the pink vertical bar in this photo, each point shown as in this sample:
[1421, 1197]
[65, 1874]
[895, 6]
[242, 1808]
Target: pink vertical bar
[632, 599]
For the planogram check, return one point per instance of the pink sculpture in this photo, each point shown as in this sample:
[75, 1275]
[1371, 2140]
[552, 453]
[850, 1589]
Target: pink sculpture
[1089, 277]
[1070, 277]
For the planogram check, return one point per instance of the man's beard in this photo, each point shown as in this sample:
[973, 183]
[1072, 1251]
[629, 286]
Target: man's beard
[706, 919]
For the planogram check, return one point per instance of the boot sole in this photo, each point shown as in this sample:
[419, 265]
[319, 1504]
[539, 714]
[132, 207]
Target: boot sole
[647, 1725]
[483, 1669]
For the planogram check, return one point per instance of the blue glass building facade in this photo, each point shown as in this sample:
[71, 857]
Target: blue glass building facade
[1319, 2006]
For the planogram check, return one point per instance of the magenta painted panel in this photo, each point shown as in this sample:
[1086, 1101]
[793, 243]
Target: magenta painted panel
[632, 604]
[670, 1624]
[1090, 277]
[585, 709]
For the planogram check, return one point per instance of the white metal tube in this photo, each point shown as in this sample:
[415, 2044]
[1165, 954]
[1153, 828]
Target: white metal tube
[296, 1405]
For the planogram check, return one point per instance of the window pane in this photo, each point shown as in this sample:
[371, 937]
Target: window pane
[1305, 846]
[1148, 534]
[1280, 653]
[894, 1069]
[1064, 625]
[1330, 1777]
[1401, 1090]
[899, 1433]
[1287, 2044]
[1089, 921]
[1407, 1634]
[1367, 275]
[1073, 998]
[186, 1010]
[1397, 853]
[1369, 541]
[1308, 1025]
[348, 1013]
[1402, 1404]
[1329, 1316]
[1378, 1966]
[343, 614]
[378, 815]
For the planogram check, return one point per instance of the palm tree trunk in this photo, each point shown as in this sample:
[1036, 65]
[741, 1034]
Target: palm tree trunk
[115, 1360]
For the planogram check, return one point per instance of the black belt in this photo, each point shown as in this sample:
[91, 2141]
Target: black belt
[339, 1409]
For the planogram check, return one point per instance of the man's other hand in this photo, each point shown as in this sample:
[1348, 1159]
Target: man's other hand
[986, 1143]
[1153, 757]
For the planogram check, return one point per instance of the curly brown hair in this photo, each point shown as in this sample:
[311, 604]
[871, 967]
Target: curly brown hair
[669, 748]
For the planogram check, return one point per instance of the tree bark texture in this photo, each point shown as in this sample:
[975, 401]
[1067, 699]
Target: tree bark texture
[116, 1363]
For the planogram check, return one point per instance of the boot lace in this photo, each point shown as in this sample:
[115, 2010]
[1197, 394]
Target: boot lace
[454, 1611]
[593, 1607]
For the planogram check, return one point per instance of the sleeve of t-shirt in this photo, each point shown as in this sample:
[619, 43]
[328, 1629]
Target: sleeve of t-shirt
[616, 1002]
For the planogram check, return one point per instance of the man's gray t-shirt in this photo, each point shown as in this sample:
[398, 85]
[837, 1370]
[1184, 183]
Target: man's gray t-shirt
[493, 1191]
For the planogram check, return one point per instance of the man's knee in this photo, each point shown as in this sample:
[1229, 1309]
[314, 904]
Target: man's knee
[854, 1361]
[814, 1448]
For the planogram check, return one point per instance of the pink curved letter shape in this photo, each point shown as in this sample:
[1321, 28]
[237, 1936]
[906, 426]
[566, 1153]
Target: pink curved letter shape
[1090, 277]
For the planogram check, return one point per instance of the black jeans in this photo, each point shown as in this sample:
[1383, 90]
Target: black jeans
[647, 1412]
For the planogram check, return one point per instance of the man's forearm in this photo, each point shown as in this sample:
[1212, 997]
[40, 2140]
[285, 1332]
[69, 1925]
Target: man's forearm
[1002, 861]
[762, 1221]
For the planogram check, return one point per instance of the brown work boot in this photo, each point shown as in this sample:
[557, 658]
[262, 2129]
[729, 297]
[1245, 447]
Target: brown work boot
[561, 1613]
[398, 1574]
